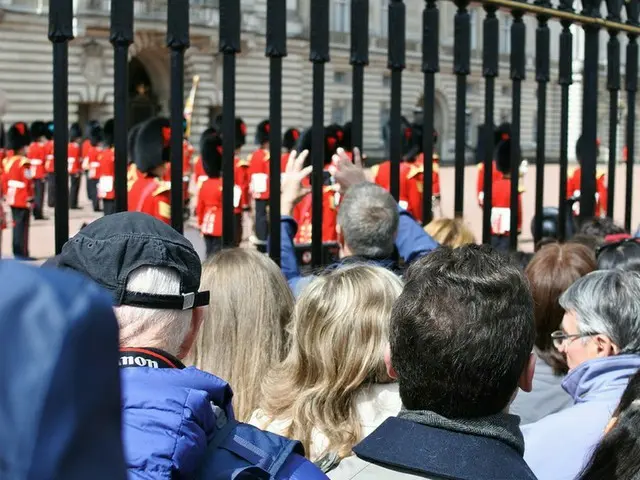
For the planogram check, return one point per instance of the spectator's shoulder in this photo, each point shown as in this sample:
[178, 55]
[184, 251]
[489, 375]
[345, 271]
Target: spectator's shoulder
[354, 468]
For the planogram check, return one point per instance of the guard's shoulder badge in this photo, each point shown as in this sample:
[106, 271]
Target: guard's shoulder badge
[415, 170]
[600, 173]
[162, 188]
[374, 170]
[24, 161]
[164, 209]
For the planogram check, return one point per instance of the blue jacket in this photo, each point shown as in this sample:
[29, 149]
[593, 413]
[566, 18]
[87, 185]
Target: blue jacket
[60, 397]
[170, 418]
[412, 243]
[558, 446]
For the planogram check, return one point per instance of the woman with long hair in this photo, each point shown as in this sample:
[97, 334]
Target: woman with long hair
[244, 331]
[333, 389]
[553, 269]
[617, 456]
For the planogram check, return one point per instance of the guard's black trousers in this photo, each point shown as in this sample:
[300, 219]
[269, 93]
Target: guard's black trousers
[109, 207]
[38, 200]
[20, 232]
[51, 190]
[74, 191]
[92, 191]
[212, 244]
[87, 179]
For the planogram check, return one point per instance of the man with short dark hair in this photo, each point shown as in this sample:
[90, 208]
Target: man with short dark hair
[461, 339]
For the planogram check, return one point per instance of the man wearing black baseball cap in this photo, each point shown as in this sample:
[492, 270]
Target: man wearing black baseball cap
[176, 420]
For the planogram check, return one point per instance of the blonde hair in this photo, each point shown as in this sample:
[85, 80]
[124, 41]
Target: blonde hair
[450, 232]
[243, 333]
[339, 332]
[149, 327]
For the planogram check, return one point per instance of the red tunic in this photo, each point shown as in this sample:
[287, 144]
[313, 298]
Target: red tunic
[37, 154]
[152, 196]
[17, 182]
[48, 163]
[415, 188]
[303, 211]
[573, 190]
[187, 156]
[259, 174]
[382, 176]
[91, 162]
[133, 174]
[284, 159]
[209, 207]
[242, 180]
[495, 176]
[199, 175]
[84, 149]
[74, 160]
[106, 172]
[500, 208]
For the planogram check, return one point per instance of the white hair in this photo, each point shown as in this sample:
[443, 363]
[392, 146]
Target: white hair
[607, 302]
[149, 327]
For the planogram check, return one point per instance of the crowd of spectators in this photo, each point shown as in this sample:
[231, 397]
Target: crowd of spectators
[417, 355]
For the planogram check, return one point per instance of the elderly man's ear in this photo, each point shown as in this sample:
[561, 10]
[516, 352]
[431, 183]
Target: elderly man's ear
[196, 322]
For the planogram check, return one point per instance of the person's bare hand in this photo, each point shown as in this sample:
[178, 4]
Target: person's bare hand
[292, 190]
[348, 173]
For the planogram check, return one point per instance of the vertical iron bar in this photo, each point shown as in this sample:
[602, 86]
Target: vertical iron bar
[396, 63]
[542, 77]
[631, 85]
[60, 32]
[359, 60]
[318, 55]
[430, 66]
[229, 47]
[121, 37]
[490, 70]
[589, 111]
[461, 68]
[517, 61]
[565, 79]
[613, 85]
[276, 50]
[178, 42]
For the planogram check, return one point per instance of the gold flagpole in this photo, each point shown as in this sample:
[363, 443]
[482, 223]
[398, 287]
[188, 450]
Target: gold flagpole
[190, 104]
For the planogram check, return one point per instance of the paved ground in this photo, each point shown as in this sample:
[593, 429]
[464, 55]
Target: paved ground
[42, 232]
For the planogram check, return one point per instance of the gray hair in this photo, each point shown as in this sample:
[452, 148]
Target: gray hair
[368, 218]
[607, 302]
[149, 327]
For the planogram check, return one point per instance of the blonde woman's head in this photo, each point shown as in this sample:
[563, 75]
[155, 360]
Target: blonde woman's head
[451, 232]
[243, 334]
[339, 334]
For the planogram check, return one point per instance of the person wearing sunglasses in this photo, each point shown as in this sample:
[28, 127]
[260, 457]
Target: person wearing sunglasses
[620, 252]
[600, 338]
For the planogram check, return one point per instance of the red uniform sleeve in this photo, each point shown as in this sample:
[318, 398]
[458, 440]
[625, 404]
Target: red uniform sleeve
[602, 190]
[329, 216]
[200, 205]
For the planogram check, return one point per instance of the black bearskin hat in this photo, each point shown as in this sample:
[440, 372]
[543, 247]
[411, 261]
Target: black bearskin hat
[290, 139]
[241, 133]
[501, 133]
[405, 131]
[38, 130]
[347, 139]
[211, 153]
[330, 144]
[131, 143]
[262, 132]
[336, 131]
[582, 147]
[108, 132]
[75, 132]
[18, 137]
[551, 222]
[95, 134]
[152, 144]
[503, 156]
[49, 130]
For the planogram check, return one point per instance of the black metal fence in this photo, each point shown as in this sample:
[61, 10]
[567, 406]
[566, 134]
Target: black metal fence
[589, 18]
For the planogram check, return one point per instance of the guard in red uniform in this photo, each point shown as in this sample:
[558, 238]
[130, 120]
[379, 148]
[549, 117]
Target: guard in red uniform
[503, 132]
[84, 153]
[106, 170]
[91, 164]
[18, 186]
[150, 194]
[382, 172]
[573, 182]
[414, 181]
[74, 164]
[501, 199]
[49, 167]
[289, 142]
[37, 154]
[302, 212]
[259, 169]
[209, 207]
